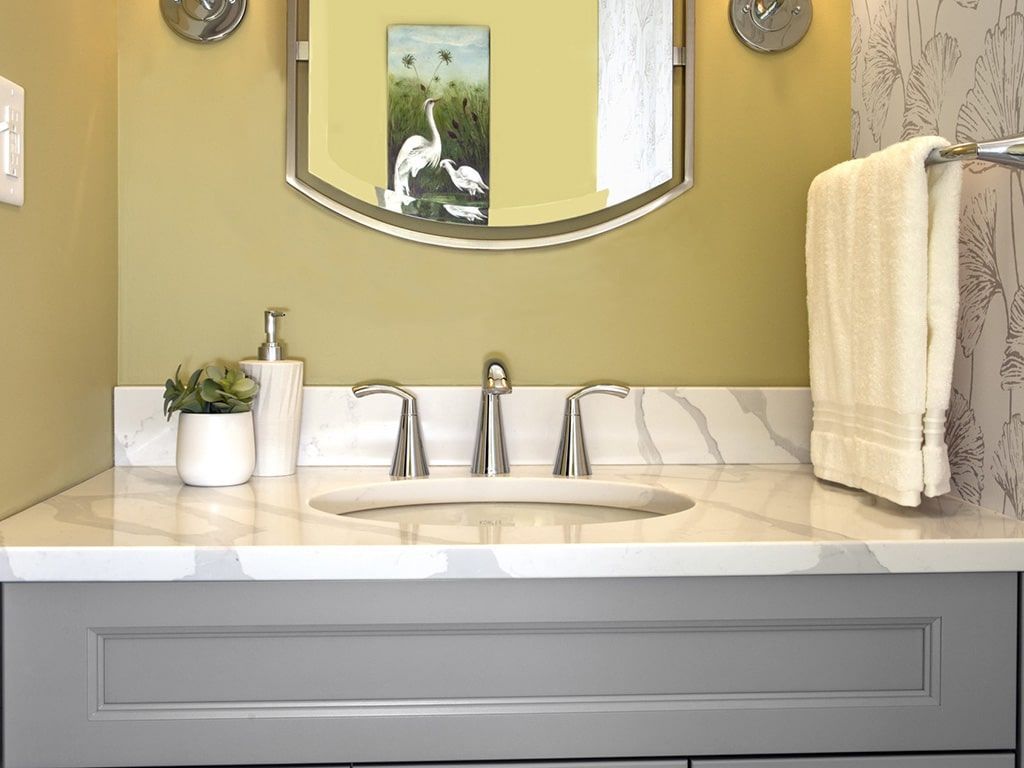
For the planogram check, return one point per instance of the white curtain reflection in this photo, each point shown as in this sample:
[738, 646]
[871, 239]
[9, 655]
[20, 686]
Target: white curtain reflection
[634, 115]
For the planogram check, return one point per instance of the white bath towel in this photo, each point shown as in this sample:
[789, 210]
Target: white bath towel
[882, 299]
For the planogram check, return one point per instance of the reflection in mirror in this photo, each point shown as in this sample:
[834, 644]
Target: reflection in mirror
[478, 121]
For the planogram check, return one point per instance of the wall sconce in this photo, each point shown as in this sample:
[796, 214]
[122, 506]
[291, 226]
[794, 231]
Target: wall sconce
[771, 25]
[203, 21]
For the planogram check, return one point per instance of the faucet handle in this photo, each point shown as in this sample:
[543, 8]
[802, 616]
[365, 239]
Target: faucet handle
[380, 388]
[410, 459]
[598, 389]
[572, 459]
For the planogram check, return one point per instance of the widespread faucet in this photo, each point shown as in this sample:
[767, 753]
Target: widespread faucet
[410, 460]
[490, 456]
[572, 459]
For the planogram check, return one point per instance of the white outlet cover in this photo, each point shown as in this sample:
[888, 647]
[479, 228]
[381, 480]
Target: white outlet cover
[12, 143]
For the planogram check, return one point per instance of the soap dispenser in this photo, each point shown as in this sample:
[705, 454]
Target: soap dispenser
[277, 412]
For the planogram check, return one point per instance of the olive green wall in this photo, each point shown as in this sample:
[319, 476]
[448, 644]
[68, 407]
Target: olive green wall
[58, 254]
[708, 290]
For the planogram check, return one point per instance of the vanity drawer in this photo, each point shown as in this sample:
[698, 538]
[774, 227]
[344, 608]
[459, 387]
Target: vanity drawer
[274, 673]
[895, 761]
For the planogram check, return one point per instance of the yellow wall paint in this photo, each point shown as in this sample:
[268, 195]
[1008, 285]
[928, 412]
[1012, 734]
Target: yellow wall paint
[58, 274]
[544, 124]
[708, 290]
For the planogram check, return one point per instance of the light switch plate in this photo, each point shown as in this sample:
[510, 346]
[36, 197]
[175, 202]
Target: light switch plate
[12, 143]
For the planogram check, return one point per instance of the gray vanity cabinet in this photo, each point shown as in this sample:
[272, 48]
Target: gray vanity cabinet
[193, 674]
[902, 761]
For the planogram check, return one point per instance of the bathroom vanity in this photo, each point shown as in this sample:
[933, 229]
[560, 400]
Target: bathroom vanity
[728, 612]
[774, 623]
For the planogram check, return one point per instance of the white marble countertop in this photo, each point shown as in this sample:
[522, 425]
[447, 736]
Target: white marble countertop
[141, 524]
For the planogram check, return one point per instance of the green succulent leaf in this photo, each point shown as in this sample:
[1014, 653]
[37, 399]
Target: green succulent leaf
[211, 392]
[244, 388]
[210, 389]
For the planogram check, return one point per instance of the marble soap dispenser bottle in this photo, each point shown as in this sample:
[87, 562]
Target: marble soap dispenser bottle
[277, 412]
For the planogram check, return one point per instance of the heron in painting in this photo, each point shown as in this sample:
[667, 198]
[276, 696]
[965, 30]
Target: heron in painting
[465, 179]
[418, 152]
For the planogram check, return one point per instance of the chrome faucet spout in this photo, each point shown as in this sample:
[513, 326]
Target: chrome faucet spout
[496, 379]
[490, 456]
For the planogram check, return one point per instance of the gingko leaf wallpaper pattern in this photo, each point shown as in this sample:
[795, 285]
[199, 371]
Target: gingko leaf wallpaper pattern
[956, 68]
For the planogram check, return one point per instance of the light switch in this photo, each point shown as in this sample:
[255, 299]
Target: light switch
[12, 143]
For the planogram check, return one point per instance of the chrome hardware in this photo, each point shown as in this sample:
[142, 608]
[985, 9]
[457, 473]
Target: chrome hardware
[203, 21]
[490, 457]
[1005, 152]
[771, 25]
[763, 12]
[271, 349]
[572, 459]
[410, 460]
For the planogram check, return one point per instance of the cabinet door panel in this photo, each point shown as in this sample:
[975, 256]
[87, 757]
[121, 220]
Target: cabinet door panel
[195, 674]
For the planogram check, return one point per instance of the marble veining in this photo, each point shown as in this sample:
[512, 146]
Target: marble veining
[655, 425]
[141, 524]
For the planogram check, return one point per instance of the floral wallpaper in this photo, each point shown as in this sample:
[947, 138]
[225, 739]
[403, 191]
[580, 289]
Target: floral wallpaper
[956, 68]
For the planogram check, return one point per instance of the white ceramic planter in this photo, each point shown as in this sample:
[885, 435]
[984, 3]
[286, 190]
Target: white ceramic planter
[215, 449]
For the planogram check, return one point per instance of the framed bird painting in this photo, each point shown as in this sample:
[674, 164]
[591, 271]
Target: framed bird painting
[438, 139]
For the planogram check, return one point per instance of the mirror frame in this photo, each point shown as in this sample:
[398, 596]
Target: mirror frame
[298, 52]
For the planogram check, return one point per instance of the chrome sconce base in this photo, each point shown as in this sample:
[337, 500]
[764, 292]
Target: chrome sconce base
[203, 21]
[771, 25]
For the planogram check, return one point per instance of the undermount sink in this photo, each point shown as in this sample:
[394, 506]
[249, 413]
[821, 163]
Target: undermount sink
[503, 501]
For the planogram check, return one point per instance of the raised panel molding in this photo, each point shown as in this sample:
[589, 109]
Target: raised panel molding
[909, 676]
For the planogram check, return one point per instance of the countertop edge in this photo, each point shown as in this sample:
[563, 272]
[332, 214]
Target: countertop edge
[504, 561]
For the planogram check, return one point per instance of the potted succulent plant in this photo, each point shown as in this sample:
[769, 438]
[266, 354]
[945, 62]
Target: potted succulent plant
[215, 432]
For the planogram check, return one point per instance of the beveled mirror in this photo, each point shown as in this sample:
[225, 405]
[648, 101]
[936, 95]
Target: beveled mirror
[495, 125]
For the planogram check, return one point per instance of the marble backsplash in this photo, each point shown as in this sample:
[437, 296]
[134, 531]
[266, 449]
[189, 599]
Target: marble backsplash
[654, 425]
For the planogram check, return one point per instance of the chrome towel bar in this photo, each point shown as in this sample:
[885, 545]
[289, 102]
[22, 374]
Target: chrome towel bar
[1007, 152]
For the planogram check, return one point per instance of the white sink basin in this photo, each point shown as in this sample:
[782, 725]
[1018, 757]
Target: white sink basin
[502, 501]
